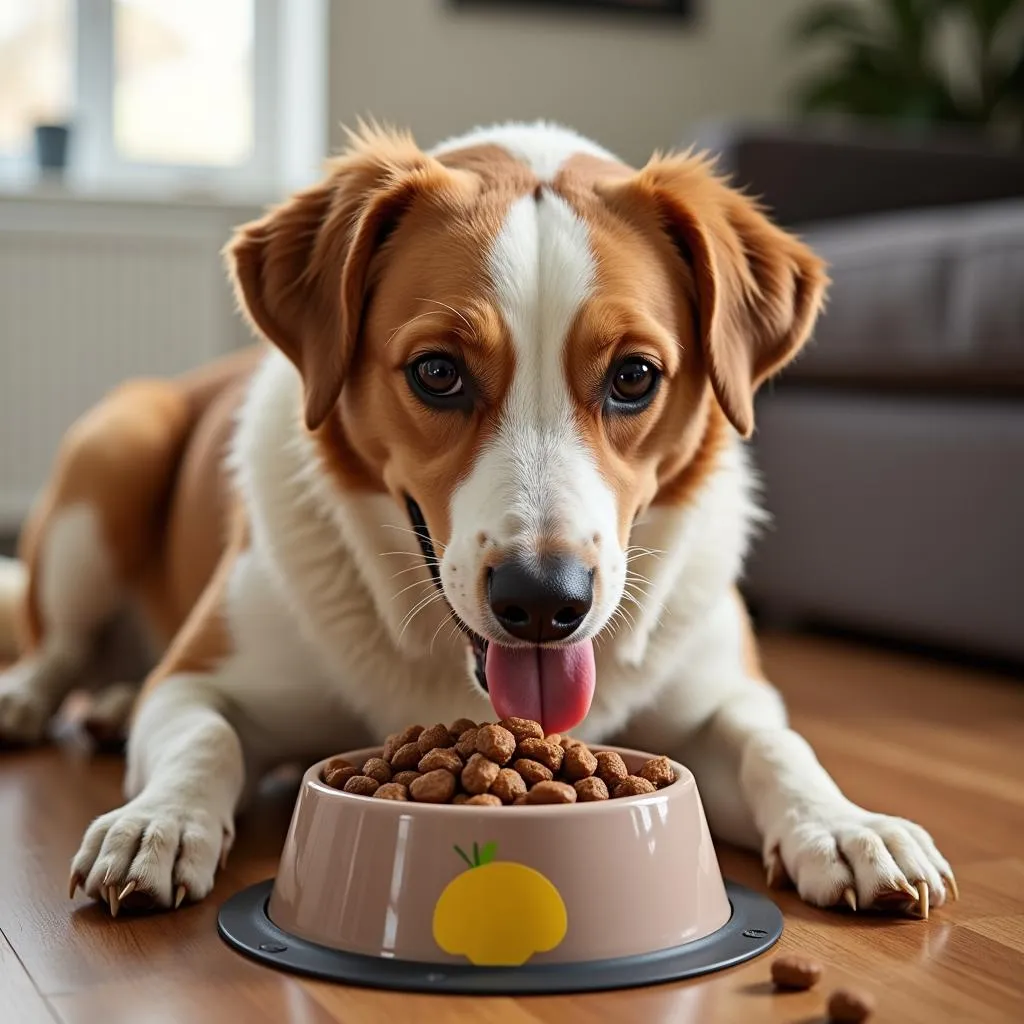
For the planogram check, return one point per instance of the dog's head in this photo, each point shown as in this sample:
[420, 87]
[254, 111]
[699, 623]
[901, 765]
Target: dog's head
[526, 363]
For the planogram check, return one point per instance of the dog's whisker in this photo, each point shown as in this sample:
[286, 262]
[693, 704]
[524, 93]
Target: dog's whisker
[637, 552]
[411, 568]
[405, 529]
[413, 319]
[452, 309]
[444, 622]
[411, 554]
[417, 583]
[632, 579]
[419, 607]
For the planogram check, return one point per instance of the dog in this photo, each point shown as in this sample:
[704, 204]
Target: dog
[486, 459]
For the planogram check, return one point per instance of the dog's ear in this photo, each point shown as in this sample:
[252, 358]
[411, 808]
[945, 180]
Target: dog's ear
[758, 288]
[301, 273]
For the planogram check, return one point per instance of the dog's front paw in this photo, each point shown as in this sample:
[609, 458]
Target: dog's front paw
[152, 853]
[867, 861]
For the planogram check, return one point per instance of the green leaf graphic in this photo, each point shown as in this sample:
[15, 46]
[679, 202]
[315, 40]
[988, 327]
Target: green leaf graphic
[488, 853]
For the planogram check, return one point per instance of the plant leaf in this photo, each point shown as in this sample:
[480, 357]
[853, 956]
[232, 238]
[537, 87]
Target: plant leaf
[488, 853]
[459, 851]
[834, 19]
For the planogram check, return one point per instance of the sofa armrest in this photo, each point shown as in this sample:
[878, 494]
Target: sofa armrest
[807, 173]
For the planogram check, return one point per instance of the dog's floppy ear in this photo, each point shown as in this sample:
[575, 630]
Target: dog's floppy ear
[758, 288]
[301, 272]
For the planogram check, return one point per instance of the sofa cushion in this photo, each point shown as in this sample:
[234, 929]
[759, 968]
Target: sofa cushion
[933, 298]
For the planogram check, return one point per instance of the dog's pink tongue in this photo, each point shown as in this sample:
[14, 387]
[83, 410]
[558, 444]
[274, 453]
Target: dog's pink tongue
[551, 685]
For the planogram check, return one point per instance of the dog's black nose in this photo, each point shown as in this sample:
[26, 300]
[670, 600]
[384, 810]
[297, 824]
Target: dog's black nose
[540, 601]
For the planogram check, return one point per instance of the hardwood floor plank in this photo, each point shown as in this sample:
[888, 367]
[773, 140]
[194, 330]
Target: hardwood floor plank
[19, 1000]
[267, 999]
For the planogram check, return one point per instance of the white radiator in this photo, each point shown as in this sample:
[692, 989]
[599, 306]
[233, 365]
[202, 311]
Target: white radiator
[91, 293]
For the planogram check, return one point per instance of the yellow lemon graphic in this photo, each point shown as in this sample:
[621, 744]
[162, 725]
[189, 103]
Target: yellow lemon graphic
[497, 913]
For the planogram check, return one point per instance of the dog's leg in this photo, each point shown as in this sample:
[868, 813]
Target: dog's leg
[763, 787]
[76, 590]
[238, 693]
[89, 536]
[186, 771]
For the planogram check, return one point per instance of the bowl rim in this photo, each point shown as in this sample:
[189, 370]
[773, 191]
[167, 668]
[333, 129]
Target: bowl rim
[684, 781]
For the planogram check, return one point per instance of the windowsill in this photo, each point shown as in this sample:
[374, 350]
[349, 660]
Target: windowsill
[70, 191]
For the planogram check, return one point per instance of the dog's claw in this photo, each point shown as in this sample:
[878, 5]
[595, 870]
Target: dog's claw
[73, 883]
[775, 873]
[179, 896]
[911, 892]
[923, 900]
[127, 890]
[850, 898]
[954, 889]
[113, 900]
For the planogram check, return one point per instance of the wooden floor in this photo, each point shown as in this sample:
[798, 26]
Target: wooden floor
[935, 742]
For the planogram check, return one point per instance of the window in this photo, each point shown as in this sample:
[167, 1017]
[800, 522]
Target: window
[192, 61]
[35, 68]
[197, 95]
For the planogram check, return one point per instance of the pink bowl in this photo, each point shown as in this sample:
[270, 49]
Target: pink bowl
[546, 884]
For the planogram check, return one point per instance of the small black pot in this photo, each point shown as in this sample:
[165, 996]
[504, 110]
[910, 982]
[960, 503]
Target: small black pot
[52, 147]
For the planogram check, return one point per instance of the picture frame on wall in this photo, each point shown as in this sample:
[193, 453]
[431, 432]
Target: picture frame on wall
[663, 8]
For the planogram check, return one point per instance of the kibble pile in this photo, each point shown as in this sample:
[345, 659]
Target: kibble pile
[490, 765]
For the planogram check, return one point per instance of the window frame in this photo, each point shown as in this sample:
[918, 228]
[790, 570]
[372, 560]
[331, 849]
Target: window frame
[289, 78]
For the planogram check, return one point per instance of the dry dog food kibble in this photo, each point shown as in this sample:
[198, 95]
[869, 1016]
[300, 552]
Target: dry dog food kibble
[547, 753]
[578, 763]
[794, 972]
[551, 793]
[440, 757]
[362, 785]
[484, 800]
[406, 756]
[532, 771]
[845, 1006]
[590, 789]
[436, 787]
[522, 729]
[466, 745]
[391, 791]
[611, 769]
[377, 768]
[399, 739]
[435, 736]
[338, 771]
[508, 786]
[511, 763]
[658, 771]
[633, 785]
[495, 743]
[479, 774]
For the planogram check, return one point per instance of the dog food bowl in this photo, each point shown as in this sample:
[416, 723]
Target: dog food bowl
[540, 898]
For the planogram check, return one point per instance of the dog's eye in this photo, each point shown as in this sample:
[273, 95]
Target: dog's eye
[437, 376]
[633, 383]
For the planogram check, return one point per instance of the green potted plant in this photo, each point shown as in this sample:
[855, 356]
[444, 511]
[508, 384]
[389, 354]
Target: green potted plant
[919, 62]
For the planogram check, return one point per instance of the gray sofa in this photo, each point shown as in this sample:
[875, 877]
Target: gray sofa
[892, 451]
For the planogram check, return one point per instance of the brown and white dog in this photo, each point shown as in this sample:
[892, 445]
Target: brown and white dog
[494, 458]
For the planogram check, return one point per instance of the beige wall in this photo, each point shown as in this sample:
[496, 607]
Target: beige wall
[633, 84]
